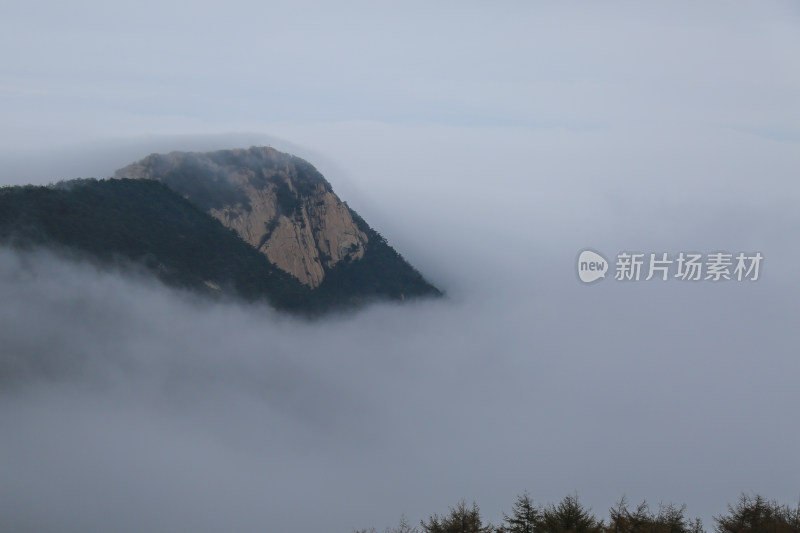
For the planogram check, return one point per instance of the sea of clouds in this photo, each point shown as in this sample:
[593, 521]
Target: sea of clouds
[128, 406]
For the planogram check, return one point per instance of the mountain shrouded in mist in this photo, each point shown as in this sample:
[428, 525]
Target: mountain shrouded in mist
[255, 223]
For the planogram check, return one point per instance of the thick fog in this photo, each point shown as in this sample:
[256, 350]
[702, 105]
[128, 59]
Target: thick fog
[490, 148]
[131, 407]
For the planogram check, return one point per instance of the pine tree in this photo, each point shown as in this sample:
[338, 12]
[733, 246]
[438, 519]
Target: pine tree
[669, 519]
[462, 519]
[402, 527]
[756, 514]
[524, 516]
[569, 516]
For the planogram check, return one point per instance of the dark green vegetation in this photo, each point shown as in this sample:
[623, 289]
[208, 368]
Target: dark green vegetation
[751, 514]
[381, 273]
[119, 221]
[754, 513]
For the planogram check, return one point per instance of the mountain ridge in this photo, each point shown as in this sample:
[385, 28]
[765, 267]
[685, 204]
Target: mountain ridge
[179, 232]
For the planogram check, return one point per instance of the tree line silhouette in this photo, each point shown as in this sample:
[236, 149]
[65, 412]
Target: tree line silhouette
[750, 514]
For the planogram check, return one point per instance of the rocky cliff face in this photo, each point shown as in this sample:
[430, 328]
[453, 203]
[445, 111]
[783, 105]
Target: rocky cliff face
[276, 202]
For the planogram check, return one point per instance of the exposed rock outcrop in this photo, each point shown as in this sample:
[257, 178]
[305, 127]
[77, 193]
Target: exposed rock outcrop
[278, 203]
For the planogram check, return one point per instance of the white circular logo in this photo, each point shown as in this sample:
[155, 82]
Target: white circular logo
[591, 266]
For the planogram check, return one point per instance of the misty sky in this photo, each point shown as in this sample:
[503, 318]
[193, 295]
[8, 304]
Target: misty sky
[489, 144]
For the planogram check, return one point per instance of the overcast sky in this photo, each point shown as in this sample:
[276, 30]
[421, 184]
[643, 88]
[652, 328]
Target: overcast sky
[489, 144]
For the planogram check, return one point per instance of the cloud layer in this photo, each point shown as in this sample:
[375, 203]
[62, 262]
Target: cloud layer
[127, 406]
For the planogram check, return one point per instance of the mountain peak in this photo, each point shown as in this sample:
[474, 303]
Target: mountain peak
[278, 203]
[254, 223]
